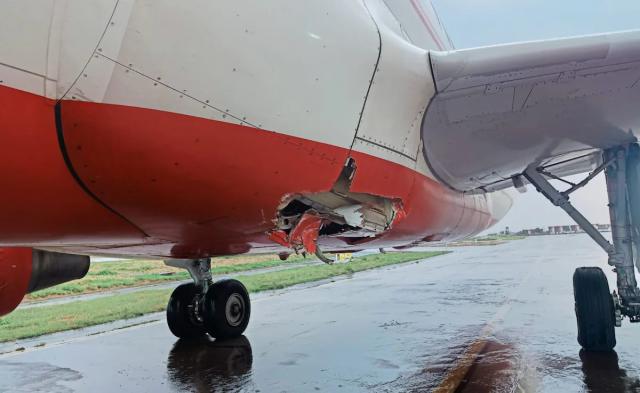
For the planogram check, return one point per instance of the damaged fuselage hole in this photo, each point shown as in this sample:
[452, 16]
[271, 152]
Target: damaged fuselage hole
[352, 217]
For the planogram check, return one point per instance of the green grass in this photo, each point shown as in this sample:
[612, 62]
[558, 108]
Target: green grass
[36, 321]
[111, 275]
[32, 322]
[286, 278]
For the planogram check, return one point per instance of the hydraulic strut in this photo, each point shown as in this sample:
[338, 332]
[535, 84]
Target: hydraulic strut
[561, 199]
[621, 166]
[619, 212]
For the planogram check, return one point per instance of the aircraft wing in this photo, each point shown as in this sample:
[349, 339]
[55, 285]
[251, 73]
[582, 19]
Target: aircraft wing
[555, 103]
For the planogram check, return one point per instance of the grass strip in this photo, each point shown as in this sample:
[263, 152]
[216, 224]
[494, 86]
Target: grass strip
[36, 321]
[122, 274]
[287, 278]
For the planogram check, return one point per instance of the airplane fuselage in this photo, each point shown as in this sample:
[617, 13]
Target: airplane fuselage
[195, 129]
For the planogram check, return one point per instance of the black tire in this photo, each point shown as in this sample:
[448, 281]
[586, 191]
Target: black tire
[226, 309]
[179, 314]
[594, 310]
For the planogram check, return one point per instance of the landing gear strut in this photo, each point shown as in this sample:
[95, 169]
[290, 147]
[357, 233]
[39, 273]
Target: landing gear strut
[221, 309]
[597, 310]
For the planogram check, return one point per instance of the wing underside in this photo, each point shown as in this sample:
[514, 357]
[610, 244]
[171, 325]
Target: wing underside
[553, 103]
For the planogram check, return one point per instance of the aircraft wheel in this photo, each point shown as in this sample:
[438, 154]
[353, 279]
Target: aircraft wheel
[595, 313]
[226, 309]
[180, 314]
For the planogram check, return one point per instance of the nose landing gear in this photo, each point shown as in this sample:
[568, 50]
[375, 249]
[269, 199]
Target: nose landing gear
[598, 310]
[221, 309]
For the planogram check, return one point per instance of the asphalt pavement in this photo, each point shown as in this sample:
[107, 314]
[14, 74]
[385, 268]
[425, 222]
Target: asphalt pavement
[487, 318]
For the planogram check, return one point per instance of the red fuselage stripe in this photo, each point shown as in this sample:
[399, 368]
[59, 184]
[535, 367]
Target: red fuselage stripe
[196, 186]
[427, 23]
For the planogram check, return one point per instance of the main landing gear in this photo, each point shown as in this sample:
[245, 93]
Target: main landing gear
[221, 309]
[597, 309]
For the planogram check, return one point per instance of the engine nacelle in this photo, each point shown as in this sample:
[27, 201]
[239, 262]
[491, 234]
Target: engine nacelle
[25, 270]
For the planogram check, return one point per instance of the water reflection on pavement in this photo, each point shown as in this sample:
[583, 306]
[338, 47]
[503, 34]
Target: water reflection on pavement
[205, 365]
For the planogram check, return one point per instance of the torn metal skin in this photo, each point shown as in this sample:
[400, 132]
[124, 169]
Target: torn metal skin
[352, 217]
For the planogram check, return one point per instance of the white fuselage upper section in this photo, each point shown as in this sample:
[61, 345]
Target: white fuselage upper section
[353, 74]
[298, 68]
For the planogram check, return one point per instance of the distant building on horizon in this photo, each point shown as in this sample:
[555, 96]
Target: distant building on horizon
[561, 230]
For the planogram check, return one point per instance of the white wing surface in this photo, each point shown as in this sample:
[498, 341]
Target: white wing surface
[499, 109]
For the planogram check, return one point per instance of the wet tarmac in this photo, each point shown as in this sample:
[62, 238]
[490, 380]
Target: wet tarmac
[495, 318]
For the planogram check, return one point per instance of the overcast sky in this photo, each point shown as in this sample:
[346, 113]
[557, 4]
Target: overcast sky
[476, 23]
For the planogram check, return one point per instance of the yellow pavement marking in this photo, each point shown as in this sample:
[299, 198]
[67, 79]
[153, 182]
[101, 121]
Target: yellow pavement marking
[455, 376]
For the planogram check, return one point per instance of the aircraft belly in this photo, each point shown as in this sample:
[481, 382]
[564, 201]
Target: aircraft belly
[151, 183]
[215, 188]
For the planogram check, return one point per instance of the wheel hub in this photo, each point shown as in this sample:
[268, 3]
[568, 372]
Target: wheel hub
[234, 309]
